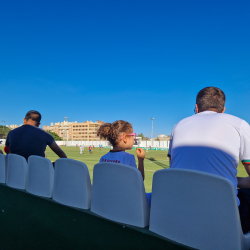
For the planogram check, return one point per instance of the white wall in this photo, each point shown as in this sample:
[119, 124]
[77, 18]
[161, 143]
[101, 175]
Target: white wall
[3, 142]
[159, 144]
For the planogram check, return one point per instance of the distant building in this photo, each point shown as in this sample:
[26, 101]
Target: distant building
[13, 126]
[74, 131]
[164, 137]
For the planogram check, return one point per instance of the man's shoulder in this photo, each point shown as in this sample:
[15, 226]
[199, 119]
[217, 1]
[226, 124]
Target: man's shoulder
[222, 116]
[16, 130]
[37, 132]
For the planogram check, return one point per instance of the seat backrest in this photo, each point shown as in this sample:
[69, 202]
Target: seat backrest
[16, 176]
[40, 178]
[119, 194]
[2, 168]
[72, 185]
[195, 209]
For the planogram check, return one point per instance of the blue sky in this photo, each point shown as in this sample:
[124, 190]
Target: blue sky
[130, 60]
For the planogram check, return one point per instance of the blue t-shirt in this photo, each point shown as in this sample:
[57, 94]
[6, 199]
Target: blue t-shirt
[28, 140]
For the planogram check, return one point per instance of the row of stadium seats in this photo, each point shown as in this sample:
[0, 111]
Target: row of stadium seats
[190, 207]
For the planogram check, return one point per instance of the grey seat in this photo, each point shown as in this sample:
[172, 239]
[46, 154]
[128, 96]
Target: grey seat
[72, 185]
[16, 176]
[196, 209]
[119, 195]
[2, 168]
[40, 178]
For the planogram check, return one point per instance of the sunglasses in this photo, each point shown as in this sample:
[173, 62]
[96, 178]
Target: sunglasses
[134, 135]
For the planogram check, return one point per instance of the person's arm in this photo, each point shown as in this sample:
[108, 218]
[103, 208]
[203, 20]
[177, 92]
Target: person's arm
[1, 152]
[141, 155]
[6, 149]
[247, 167]
[243, 182]
[57, 150]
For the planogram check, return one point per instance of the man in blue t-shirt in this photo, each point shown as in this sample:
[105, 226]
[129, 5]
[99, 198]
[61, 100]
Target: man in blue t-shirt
[30, 140]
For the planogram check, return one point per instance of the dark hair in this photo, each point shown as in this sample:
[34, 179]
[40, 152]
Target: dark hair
[211, 98]
[34, 115]
[112, 131]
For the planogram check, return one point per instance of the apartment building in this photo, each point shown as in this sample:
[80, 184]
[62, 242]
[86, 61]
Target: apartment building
[164, 137]
[13, 126]
[74, 131]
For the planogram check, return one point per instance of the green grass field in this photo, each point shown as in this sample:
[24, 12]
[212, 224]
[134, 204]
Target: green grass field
[154, 160]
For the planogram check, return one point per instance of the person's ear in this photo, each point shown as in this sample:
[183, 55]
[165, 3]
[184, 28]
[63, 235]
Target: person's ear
[24, 121]
[196, 109]
[125, 139]
[223, 110]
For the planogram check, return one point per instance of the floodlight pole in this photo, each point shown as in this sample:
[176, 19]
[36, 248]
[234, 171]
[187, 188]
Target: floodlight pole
[152, 130]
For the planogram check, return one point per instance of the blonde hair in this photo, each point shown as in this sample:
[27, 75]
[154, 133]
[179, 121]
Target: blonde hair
[111, 131]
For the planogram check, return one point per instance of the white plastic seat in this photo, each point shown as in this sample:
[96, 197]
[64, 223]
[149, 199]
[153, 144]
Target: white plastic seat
[119, 194]
[196, 209]
[72, 185]
[40, 178]
[2, 168]
[16, 176]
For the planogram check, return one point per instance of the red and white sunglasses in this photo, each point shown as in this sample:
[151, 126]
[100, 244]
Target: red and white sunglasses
[134, 135]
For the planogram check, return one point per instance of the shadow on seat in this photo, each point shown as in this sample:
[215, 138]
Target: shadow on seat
[196, 209]
[2, 168]
[16, 176]
[40, 178]
[119, 194]
[72, 185]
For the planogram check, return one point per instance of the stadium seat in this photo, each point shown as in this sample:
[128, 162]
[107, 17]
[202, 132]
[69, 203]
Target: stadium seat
[196, 209]
[2, 168]
[16, 171]
[72, 185]
[119, 194]
[40, 178]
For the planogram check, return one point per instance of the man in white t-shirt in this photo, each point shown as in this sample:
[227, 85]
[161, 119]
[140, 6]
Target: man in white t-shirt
[211, 141]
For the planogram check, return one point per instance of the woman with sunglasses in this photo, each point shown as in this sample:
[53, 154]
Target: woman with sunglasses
[121, 137]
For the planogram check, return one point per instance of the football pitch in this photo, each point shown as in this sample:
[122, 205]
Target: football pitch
[154, 161]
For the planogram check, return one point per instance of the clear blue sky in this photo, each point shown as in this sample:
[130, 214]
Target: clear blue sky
[130, 60]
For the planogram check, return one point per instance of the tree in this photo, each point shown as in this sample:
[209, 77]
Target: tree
[55, 135]
[141, 135]
[144, 138]
[4, 131]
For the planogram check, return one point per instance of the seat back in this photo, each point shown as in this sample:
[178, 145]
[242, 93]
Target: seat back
[119, 194]
[16, 171]
[40, 178]
[72, 185]
[195, 209]
[2, 168]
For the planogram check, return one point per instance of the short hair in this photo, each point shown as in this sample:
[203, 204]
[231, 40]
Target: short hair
[211, 98]
[34, 115]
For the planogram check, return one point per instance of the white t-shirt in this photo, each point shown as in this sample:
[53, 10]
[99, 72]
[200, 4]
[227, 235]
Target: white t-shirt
[211, 142]
[119, 157]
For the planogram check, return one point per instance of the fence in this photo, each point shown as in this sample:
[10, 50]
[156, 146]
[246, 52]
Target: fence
[144, 144]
